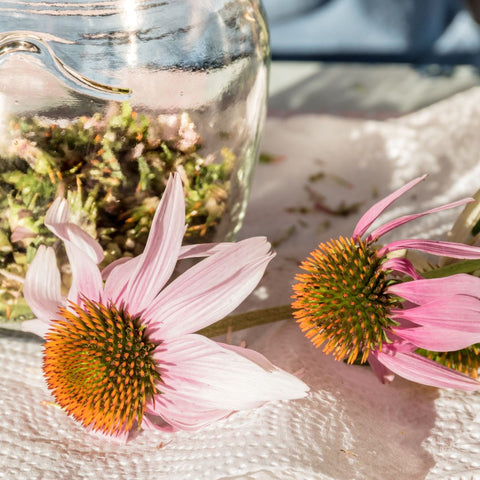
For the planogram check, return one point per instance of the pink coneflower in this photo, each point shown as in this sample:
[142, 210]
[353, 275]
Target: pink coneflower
[355, 300]
[120, 352]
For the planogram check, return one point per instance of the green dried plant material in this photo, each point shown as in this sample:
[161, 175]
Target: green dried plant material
[113, 169]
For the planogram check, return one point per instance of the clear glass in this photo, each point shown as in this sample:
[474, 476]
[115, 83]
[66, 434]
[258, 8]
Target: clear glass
[100, 101]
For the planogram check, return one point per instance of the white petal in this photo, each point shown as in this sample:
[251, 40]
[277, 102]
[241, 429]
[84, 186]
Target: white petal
[38, 327]
[209, 381]
[41, 288]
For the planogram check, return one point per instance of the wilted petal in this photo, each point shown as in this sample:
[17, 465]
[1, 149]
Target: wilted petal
[380, 370]
[401, 265]
[160, 256]
[202, 381]
[437, 247]
[459, 312]
[373, 212]
[397, 222]
[427, 290]
[208, 291]
[41, 288]
[21, 233]
[419, 369]
[438, 339]
[151, 421]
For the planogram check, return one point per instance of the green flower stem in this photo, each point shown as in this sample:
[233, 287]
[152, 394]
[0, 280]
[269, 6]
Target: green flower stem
[464, 266]
[241, 321]
[253, 318]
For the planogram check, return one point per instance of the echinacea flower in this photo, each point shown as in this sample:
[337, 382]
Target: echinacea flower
[120, 350]
[360, 300]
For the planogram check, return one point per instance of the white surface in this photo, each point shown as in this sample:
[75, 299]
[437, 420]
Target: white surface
[351, 426]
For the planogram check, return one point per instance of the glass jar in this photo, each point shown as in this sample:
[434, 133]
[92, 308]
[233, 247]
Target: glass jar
[100, 101]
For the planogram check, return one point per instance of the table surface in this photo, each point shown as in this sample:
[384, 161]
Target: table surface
[350, 426]
[363, 90]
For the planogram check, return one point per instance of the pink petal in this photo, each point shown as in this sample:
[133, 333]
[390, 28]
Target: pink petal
[38, 327]
[41, 288]
[82, 250]
[180, 413]
[116, 276]
[58, 211]
[437, 247]
[380, 370]
[418, 369]
[401, 265]
[202, 250]
[201, 382]
[373, 212]
[86, 277]
[154, 422]
[208, 291]
[114, 290]
[426, 290]
[56, 220]
[160, 256]
[384, 229]
[111, 266]
[438, 339]
[458, 312]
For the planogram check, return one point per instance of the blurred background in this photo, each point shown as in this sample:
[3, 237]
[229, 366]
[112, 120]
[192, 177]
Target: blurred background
[385, 57]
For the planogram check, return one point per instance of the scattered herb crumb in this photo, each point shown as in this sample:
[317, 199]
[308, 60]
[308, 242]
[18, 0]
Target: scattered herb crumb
[343, 209]
[337, 179]
[284, 237]
[270, 158]
[315, 177]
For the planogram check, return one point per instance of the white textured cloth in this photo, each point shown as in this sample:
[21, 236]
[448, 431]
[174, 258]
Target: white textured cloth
[350, 426]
